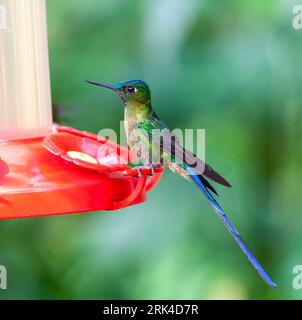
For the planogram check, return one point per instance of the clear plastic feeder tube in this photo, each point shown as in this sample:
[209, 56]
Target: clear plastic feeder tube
[25, 101]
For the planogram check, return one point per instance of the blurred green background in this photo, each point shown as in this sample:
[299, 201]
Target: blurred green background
[231, 67]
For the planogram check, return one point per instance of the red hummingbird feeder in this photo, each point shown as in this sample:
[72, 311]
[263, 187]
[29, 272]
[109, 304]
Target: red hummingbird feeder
[48, 169]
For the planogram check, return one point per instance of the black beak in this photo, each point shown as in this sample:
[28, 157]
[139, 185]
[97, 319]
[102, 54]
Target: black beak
[104, 85]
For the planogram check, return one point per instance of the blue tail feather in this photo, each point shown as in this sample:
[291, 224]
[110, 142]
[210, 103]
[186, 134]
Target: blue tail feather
[231, 228]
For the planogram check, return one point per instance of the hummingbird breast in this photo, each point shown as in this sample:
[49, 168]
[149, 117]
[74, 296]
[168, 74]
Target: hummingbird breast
[136, 142]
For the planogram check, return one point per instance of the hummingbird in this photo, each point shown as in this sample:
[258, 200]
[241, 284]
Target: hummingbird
[146, 132]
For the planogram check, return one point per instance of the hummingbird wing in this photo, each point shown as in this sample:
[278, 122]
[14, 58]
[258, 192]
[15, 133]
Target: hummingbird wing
[168, 143]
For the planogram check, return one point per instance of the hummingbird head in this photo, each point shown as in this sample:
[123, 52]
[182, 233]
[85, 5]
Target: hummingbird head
[133, 91]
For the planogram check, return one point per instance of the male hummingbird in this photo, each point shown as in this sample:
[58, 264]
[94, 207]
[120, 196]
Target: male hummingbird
[146, 132]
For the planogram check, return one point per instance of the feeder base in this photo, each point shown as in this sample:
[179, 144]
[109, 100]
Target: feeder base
[40, 184]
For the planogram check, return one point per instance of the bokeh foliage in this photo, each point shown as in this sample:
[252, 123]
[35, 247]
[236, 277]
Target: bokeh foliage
[231, 67]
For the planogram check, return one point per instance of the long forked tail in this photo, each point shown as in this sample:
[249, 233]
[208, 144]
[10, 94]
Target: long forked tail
[231, 228]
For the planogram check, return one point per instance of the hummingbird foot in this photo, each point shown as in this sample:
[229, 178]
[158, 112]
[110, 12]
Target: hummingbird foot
[149, 169]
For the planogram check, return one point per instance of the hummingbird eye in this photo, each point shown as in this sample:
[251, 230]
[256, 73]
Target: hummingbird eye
[131, 89]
